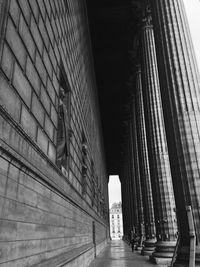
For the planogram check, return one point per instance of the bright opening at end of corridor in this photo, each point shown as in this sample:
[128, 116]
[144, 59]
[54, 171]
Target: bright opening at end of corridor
[115, 208]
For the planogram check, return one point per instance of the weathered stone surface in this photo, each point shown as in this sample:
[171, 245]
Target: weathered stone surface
[15, 43]
[143, 157]
[161, 180]
[28, 122]
[44, 217]
[22, 85]
[180, 84]
[9, 99]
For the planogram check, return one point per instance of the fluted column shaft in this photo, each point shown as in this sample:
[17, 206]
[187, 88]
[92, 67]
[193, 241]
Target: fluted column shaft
[130, 212]
[132, 197]
[180, 87]
[126, 200]
[144, 167]
[134, 187]
[140, 208]
[163, 195]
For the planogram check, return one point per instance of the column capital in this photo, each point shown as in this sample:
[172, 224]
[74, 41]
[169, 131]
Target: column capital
[147, 16]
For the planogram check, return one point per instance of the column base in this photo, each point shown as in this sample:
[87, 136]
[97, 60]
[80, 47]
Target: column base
[139, 248]
[183, 254]
[163, 253]
[149, 247]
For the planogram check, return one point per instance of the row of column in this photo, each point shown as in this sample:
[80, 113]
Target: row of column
[163, 151]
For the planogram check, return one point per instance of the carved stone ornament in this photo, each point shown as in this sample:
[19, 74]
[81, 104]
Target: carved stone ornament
[147, 16]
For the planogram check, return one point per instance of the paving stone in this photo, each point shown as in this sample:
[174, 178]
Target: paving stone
[119, 254]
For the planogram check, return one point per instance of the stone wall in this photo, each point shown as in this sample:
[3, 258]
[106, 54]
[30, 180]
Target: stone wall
[49, 215]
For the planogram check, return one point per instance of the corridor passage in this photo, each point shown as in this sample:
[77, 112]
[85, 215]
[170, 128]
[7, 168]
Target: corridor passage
[119, 254]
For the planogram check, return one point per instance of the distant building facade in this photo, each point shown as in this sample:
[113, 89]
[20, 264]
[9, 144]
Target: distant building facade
[53, 179]
[116, 224]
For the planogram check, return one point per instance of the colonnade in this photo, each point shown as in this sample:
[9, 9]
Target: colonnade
[161, 169]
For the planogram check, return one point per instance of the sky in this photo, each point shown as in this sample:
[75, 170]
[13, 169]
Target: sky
[193, 13]
[114, 189]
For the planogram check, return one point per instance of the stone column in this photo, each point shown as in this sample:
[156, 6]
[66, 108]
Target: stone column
[150, 230]
[136, 224]
[130, 211]
[126, 201]
[135, 157]
[163, 195]
[180, 89]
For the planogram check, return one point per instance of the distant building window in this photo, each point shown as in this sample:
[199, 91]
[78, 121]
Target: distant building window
[118, 216]
[112, 216]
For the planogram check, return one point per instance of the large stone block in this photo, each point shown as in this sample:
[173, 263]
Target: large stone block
[51, 91]
[34, 9]
[52, 152]
[3, 177]
[49, 127]
[22, 85]
[9, 99]
[55, 32]
[37, 110]
[13, 172]
[15, 11]
[56, 83]
[25, 10]
[48, 7]
[54, 116]
[27, 38]
[11, 189]
[15, 43]
[45, 100]
[52, 4]
[7, 61]
[43, 32]
[28, 122]
[42, 140]
[41, 69]
[27, 196]
[47, 63]
[42, 9]
[49, 29]
[36, 35]
[53, 58]
[33, 76]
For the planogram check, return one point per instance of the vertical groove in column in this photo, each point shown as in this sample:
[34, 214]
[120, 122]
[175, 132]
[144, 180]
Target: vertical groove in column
[133, 211]
[133, 180]
[129, 187]
[180, 87]
[125, 199]
[140, 208]
[144, 169]
[163, 195]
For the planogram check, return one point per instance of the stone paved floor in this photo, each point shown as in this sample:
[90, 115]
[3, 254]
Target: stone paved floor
[119, 254]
